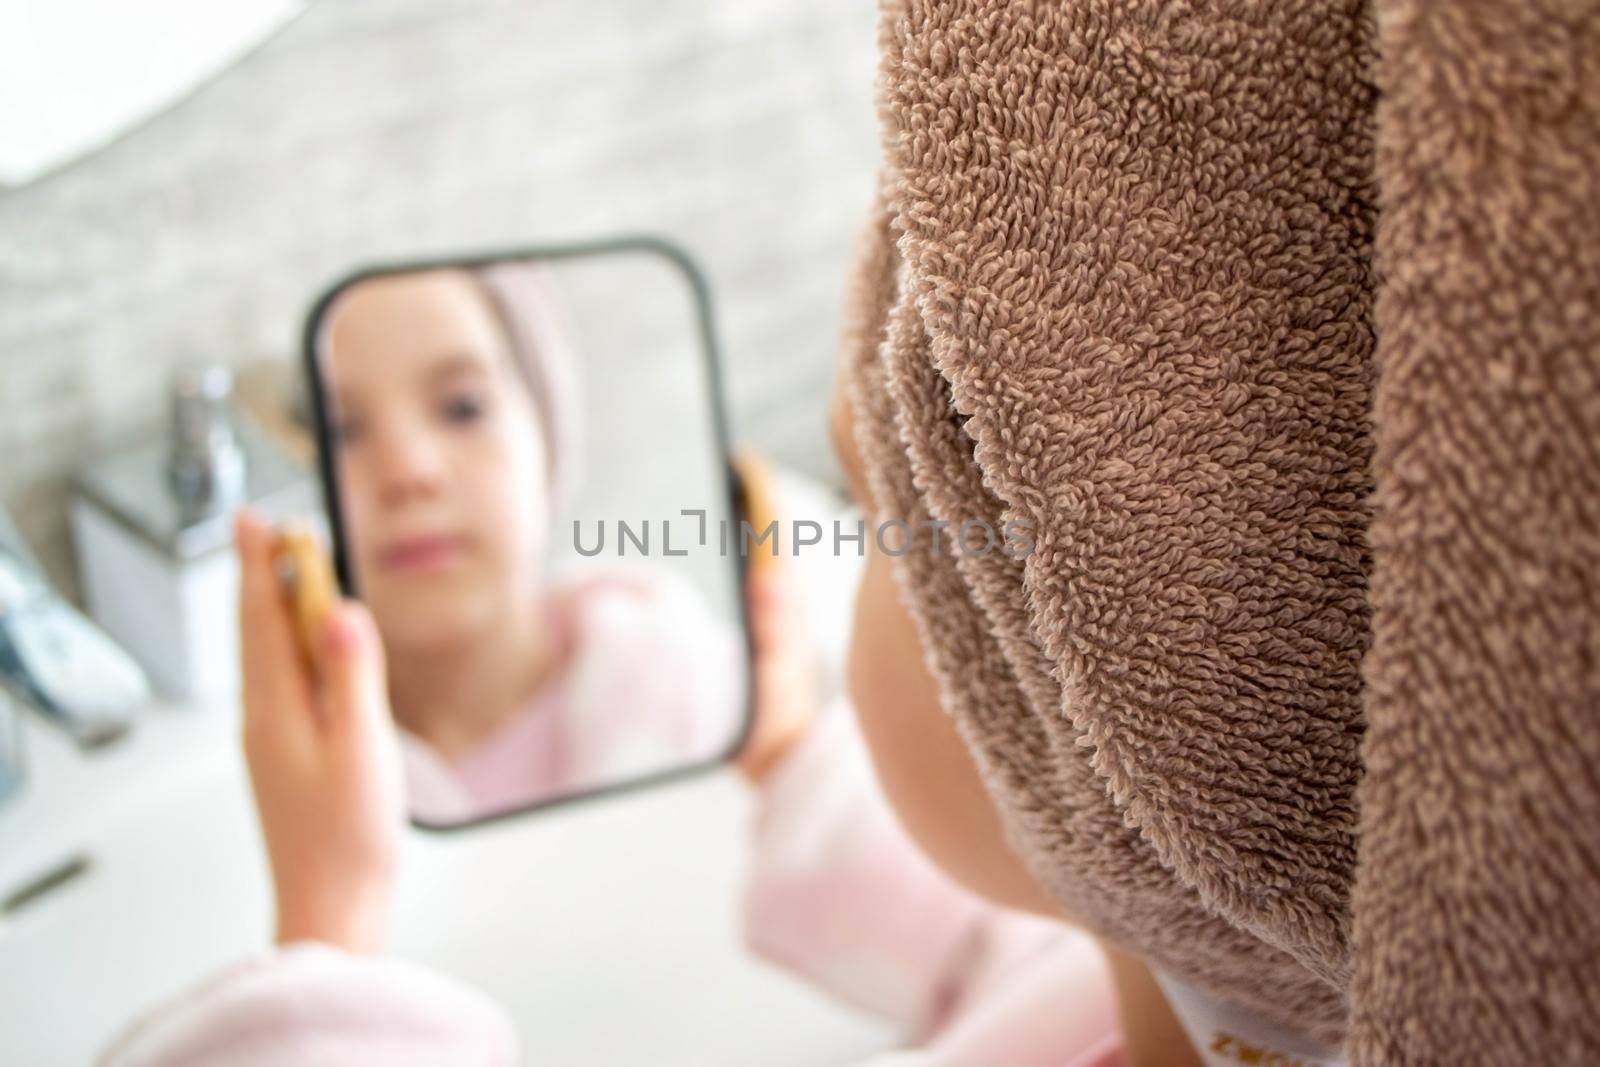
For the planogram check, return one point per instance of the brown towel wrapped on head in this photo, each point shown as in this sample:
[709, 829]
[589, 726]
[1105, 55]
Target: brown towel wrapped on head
[1477, 895]
[1122, 289]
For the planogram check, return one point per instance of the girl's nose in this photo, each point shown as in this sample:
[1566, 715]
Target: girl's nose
[408, 465]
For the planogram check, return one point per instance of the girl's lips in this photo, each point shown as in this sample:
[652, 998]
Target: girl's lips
[422, 553]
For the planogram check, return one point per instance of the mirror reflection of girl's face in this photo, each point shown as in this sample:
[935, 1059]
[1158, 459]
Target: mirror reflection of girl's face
[442, 464]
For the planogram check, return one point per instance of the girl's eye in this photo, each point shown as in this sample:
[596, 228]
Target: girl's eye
[346, 431]
[463, 409]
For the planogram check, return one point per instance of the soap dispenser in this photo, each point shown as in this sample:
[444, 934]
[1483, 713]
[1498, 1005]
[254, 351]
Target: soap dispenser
[152, 525]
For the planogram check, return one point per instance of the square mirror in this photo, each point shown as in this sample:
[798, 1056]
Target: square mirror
[527, 480]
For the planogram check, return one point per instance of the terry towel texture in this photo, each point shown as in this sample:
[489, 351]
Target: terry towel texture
[1314, 487]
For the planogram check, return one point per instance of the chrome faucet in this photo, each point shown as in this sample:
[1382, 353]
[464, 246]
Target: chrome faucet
[55, 659]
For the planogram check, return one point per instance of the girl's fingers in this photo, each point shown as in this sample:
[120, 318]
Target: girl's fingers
[772, 604]
[276, 691]
[355, 700]
[759, 587]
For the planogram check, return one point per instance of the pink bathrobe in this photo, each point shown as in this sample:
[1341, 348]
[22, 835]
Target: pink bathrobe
[651, 680]
[840, 896]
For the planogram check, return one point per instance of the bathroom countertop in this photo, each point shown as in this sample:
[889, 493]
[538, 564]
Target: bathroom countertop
[617, 911]
[68, 794]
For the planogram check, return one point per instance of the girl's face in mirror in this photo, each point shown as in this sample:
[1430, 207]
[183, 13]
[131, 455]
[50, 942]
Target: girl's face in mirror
[440, 456]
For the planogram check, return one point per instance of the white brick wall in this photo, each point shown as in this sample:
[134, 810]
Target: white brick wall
[744, 129]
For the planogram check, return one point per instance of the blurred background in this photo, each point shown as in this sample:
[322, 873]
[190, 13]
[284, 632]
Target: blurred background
[361, 130]
[179, 181]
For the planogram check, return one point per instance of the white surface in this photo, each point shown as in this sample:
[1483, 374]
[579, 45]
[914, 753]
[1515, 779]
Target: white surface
[611, 930]
[76, 73]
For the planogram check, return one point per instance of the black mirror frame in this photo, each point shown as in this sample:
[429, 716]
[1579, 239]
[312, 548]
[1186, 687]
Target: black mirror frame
[734, 496]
